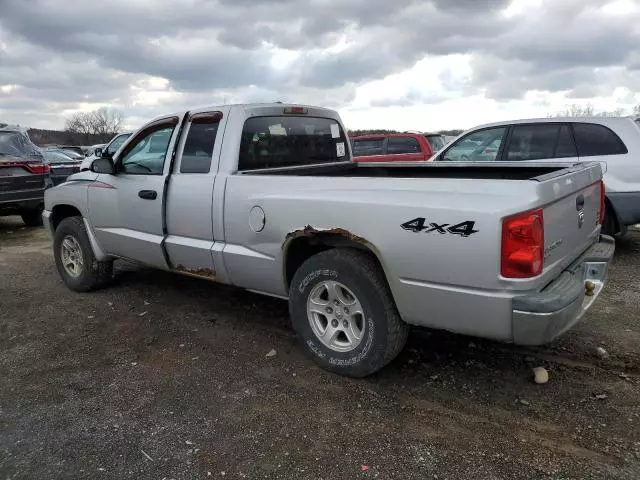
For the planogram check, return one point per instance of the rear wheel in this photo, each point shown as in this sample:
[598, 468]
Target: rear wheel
[32, 217]
[610, 225]
[342, 309]
[75, 261]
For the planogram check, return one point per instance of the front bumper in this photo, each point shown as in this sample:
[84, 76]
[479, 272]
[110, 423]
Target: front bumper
[541, 317]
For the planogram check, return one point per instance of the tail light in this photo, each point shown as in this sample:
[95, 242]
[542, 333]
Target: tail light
[602, 204]
[296, 110]
[37, 168]
[522, 245]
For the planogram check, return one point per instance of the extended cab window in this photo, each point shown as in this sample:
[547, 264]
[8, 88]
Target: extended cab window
[146, 155]
[539, 141]
[398, 145]
[482, 145]
[368, 146]
[593, 139]
[287, 141]
[198, 147]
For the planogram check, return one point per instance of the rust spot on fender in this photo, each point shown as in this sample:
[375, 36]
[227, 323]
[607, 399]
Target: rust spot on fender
[197, 272]
[310, 231]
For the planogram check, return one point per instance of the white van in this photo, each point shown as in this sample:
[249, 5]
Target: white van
[612, 141]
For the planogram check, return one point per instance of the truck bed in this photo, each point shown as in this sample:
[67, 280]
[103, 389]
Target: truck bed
[495, 171]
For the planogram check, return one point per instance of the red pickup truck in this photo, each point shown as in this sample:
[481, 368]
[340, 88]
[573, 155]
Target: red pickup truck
[396, 147]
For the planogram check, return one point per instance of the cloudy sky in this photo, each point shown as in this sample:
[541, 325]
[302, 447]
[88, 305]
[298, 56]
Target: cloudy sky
[405, 64]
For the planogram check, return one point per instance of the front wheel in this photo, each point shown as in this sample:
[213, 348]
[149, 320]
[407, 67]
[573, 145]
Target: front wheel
[342, 309]
[75, 261]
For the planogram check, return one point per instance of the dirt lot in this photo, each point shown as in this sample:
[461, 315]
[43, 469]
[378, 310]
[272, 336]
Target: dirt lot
[162, 376]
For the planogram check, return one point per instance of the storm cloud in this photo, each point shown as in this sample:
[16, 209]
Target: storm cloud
[150, 56]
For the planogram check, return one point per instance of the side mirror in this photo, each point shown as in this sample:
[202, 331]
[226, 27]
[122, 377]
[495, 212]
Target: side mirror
[103, 165]
[98, 152]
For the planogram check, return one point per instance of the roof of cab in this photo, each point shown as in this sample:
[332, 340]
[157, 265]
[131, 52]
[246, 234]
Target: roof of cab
[244, 106]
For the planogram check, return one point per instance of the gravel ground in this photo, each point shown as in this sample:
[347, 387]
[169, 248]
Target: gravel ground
[166, 377]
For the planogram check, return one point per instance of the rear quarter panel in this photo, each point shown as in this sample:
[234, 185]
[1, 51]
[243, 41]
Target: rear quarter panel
[428, 271]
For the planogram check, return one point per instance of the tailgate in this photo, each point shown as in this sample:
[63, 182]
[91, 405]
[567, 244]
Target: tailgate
[14, 178]
[571, 221]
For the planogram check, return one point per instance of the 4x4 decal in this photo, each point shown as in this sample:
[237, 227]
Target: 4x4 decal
[464, 229]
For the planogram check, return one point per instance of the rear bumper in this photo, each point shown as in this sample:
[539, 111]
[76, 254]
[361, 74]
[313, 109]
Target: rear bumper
[626, 205]
[543, 316]
[13, 202]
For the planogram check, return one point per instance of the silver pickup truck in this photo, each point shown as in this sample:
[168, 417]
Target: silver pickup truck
[265, 197]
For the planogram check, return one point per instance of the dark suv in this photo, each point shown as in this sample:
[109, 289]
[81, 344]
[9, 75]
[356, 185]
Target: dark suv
[24, 176]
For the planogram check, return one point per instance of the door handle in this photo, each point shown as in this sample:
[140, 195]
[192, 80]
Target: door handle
[148, 194]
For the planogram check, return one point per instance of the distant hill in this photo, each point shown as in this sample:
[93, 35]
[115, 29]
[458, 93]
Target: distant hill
[55, 137]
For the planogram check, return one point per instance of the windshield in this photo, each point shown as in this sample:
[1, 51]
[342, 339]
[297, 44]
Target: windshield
[117, 142]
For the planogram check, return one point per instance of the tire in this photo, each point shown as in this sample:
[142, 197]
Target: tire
[383, 334]
[91, 274]
[32, 217]
[610, 225]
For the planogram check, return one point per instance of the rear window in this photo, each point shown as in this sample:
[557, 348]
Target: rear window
[287, 141]
[593, 139]
[369, 146]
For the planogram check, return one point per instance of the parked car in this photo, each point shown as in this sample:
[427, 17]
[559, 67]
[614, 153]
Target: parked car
[92, 149]
[61, 165]
[71, 153]
[72, 148]
[111, 148]
[613, 141]
[395, 147]
[24, 176]
[361, 251]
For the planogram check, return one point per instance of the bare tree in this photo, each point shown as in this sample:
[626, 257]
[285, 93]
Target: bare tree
[636, 109]
[79, 122]
[587, 110]
[103, 121]
[575, 110]
[107, 121]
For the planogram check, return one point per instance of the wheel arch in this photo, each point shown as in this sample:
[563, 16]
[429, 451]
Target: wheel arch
[62, 211]
[303, 244]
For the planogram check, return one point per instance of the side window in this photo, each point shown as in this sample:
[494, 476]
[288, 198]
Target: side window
[146, 154]
[533, 142]
[287, 141]
[368, 146]
[198, 146]
[593, 139]
[482, 146]
[397, 145]
[565, 146]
